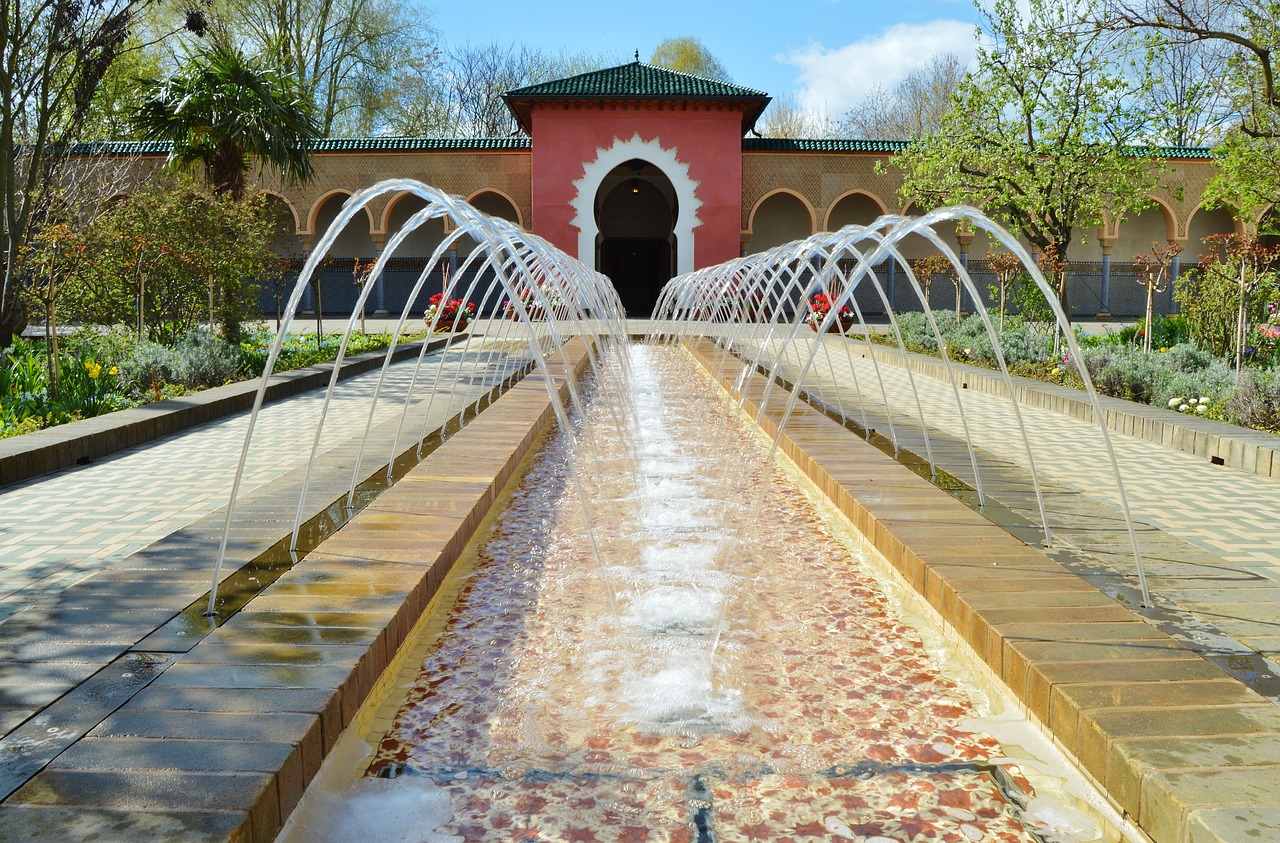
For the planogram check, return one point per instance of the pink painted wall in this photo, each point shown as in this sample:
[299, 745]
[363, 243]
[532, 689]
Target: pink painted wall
[706, 136]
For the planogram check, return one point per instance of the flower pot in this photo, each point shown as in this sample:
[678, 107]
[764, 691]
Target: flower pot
[459, 324]
[840, 325]
[535, 312]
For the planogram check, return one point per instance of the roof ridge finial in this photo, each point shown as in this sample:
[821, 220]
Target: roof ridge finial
[637, 56]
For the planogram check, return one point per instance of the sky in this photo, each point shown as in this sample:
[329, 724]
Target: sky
[827, 53]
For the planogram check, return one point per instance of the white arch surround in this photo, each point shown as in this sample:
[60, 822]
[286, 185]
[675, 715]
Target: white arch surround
[652, 152]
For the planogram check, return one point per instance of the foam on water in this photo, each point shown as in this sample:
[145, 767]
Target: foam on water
[666, 609]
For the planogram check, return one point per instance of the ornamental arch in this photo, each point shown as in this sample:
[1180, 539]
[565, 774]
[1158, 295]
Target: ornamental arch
[1205, 222]
[355, 240]
[779, 217]
[854, 207]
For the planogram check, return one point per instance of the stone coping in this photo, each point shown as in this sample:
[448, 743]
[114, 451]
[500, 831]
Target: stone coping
[1188, 753]
[1225, 444]
[77, 443]
[223, 739]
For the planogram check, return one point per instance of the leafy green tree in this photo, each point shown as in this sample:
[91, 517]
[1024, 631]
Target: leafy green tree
[689, 55]
[174, 255]
[1039, 135]
[222, 107]
[1236, 281]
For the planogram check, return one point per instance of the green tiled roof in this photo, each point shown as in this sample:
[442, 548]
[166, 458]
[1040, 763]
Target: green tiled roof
[328, 145]
[821, 145]
[636, 80]
[417, 144]
[888, 146]
[387, 144]
[1175, 151]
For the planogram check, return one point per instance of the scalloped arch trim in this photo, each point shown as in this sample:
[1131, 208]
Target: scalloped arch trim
[651, 151]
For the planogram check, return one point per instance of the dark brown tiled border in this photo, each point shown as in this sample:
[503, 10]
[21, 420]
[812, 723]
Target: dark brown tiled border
[53, 449]
[1187, 752]
[221, 745]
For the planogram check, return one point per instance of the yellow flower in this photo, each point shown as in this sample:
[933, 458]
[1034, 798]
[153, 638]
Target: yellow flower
[113, 371]
[94, 370]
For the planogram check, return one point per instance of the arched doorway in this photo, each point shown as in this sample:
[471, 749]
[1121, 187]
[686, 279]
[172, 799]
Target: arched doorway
[636, 212]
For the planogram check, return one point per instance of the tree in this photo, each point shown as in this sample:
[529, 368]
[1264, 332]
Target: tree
[53, 57]
[51, 257]
[913, 108]
[173, 255]
[1040, 134]
[786, 118]
[689, 55]
[1246, 33]
[222, 107]
[1154, 271]
[1188, 103]
[350, 54]
[1005, 266]
[461, 96]
[1224, 300]
[930, 269]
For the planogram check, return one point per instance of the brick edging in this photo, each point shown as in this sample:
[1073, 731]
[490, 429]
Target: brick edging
[1181, 747]
[276, 685]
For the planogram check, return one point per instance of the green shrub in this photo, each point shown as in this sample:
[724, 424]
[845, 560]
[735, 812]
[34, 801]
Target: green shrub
[1256, 401]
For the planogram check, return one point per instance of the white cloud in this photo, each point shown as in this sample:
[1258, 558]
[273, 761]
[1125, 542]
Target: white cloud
[834, 79]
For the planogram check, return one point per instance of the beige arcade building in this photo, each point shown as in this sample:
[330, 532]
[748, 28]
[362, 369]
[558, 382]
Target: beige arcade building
[644, 173]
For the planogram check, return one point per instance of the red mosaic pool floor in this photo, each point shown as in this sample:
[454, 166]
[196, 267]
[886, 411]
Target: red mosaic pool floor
[546, 715]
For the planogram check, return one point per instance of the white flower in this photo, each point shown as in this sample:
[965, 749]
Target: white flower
[1204, 400]
[1173, 402]
[1183, 408]
[1203, 408]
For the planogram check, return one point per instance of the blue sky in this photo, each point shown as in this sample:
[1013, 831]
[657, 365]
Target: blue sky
[828, 53]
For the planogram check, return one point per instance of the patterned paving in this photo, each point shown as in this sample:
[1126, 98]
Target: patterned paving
[1205, 524]
[56, 530]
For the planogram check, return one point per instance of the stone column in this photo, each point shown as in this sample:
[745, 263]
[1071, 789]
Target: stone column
[964, 239]
[307, 242]
[379, 296]
[889, 278]
[1107, 244]
[1175, 267]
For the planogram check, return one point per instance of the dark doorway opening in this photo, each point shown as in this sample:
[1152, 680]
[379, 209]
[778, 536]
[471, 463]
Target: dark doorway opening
[638, 267]
[636, 214]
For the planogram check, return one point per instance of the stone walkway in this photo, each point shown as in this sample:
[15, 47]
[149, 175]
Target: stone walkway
[58, 529]
[1210, 538]
[110, 564]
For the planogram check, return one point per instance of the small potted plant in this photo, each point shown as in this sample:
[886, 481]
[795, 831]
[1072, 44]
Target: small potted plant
[454, 314]
[820, 306]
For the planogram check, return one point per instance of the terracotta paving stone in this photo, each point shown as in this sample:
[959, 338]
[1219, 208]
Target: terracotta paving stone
[142, 790]
[1168, 797]
[1227, 825]
[26, 822]
[1134, 759]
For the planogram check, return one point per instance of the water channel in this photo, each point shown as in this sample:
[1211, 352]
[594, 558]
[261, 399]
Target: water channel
[702, 674]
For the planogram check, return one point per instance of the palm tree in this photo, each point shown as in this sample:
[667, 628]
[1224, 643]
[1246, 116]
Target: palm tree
[220, 108]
